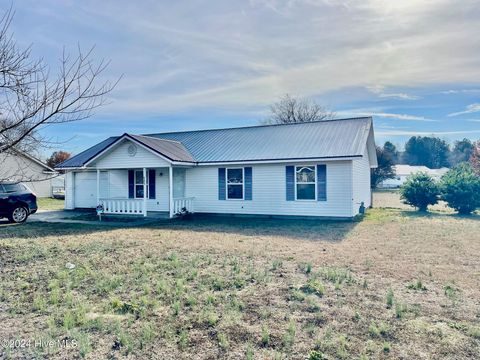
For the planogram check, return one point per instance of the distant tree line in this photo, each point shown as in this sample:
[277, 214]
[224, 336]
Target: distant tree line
[431, 152]
[428, 151]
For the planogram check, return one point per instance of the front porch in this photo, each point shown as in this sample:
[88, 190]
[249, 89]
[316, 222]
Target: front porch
[143, 192]
[139, 207]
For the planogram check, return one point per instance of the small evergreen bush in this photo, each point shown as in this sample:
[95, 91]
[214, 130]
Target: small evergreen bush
[420, 190]
[460, 188]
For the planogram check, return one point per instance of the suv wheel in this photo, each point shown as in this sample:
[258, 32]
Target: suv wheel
[18, 215]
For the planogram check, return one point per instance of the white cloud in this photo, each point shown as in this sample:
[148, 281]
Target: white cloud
[460, 91]
[380, 90]
[178, 56]
[379, 113]
[381, 132]
[472, 108]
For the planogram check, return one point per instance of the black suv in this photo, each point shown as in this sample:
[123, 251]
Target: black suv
[16, 202]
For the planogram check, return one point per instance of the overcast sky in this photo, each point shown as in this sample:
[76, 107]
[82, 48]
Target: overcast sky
[413, 65]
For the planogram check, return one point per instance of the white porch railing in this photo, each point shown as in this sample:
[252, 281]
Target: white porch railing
[123, 206]
[180, 203]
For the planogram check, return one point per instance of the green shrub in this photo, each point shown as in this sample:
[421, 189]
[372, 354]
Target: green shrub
[460, 188]
[420, 190]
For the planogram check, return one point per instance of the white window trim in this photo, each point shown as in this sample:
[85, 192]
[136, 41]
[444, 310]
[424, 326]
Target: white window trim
[315, 182]
[243, 183]
[135, 184]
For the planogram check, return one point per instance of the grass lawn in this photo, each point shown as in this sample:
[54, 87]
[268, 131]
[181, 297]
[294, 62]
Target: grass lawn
[50, 204]
[394, 285]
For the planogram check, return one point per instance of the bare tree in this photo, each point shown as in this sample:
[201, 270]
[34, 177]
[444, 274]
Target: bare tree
[31, 98]
[290, 110]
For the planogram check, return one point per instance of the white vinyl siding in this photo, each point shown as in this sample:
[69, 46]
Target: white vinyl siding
[361, 182]
[18, 167]
[268, 192]
[85, 186]
[69, 190]
[119, 158]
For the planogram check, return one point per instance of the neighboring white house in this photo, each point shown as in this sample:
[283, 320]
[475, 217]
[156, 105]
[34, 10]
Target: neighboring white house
[319, 169]
[402, 172]
[19, 166]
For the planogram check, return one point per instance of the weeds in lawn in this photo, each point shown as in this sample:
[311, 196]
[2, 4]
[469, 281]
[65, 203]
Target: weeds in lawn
[474, 332]
[378, 330]
[390, 298]
[314, 286]
[249, 352]
[222, 341]
[289, 336]
[265, 339]
[450, 291]
[357, 317]
[417, 286]
[306, 268]
[276, 264]
[183, 339]
[83, 341]
[400, 310]
[316, 355]
[147, 334]
[297, 295]
[176, 308]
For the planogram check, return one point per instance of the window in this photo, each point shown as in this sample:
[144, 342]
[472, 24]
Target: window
[139, 190]
[11, 188]
[305, 180]
[235, 183]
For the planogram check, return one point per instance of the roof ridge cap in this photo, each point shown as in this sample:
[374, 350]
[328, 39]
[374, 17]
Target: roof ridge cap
[156, 138]
[261, 126]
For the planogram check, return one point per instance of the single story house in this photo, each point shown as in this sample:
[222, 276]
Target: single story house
[402, 172]
[20, 166]
[315, 169]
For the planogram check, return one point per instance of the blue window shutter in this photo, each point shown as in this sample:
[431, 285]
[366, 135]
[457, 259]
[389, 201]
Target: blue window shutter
[151, 184]
[248, 183]
[221, 183]
[131, 184]
[322, 182]
[290, 182]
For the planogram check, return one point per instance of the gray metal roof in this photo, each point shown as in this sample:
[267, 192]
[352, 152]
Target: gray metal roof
[315, 140]
[322, 139]
[172, 149]
[80, 159]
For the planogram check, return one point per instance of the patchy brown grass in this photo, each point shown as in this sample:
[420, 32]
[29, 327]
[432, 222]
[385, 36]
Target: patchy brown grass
[395, 285]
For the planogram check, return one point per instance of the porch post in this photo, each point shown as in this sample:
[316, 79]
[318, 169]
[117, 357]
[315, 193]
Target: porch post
[98, 187]
[170, 190]
[144, 192]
